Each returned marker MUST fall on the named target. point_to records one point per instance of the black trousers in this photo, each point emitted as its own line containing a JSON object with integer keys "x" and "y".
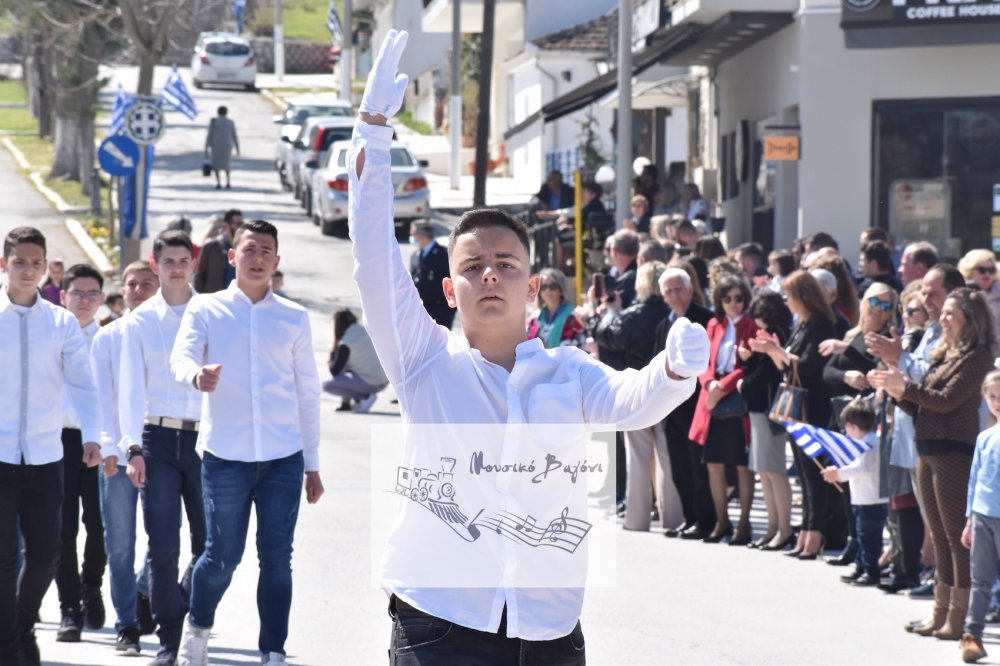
{"x": 815, "y": 492}
{"x": 30, "y": 497}
{"x": 690, "y": 476}
{"x": 911, "y": 538}
{"x": 80, "y": 487}
{"x": 621, "y": 467}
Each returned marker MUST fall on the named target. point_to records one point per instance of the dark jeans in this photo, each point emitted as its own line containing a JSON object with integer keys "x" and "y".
{"x": 911, "y": 538}
{"x": 33, "y": 494}
{"x": 869, "y": 522}
{"x": 419, "y": 639}
{"x": 80, "y": 487}
{"x": 173, "y": 474}
{"x": 231, "y": 489}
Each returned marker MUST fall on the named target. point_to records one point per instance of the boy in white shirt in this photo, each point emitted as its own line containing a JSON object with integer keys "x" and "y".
{"x": 869, "y": 507}
{"x": 490, "y": 375}
{"x": 44, "y": 355}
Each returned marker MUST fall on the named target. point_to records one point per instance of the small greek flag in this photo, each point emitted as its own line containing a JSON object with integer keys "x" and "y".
{"x": 119, "y": 110}
{"x": 176, "y": 94}
{"x": 334, "y": 26}
{"x": 813, "y": 441}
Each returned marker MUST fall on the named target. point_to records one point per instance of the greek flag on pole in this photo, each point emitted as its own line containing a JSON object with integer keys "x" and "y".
{"x": 813, "y": 441}
{"x": 176, "y": 94}
{"x": 119, "y": 110}
{"x": 333, "y": 25}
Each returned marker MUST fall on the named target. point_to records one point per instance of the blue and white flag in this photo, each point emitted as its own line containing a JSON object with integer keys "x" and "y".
{"x": 334, "y": 26}
{"x": 813, "y": 441}
{"x": 119, "y": 110}
{"x": 176, "y": 94}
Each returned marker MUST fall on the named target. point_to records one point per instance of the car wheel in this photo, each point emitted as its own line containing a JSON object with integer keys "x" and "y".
{"x": 307, "y": 202}
{"x": 316, "y": 220}
{"x": 198, "y": 84}
{"x": 296, "y": 191}
{"x": 328, "y": 228}
{"x": 251, "y": 87}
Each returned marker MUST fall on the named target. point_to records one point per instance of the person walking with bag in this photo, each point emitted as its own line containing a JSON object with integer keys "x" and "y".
{"x": 221, "y": 142}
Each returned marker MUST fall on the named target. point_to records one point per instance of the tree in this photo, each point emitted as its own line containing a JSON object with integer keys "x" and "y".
{"x": 147, "y": 23}
{"x": 591, "y": 156}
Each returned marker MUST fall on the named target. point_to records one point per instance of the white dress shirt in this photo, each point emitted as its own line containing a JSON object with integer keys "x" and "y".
{"x": 441, "y": 380}
{"x": 44, "y": 355}
{"x": 862, "y": 475}
{"x": 148, "y": 387}
{"x": 71, "y": 419}
{"x": 105, "y": 360}
{"x": 266, "y": 405}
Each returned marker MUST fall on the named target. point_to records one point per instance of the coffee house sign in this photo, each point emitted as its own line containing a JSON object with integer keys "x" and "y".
{"x": 893, "y": 13}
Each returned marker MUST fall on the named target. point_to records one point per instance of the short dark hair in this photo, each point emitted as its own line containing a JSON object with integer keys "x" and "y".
{"x": 821, "y": 239}
{"x": 924, "y": 253}
{"x": 875, "y": 234}
{"x": 180, "y": 223}
{"x": 625, "y": 242}
{"x": 423, "y": 228}
{"x": 484, "y": 218}
{"x": 879, "y": 252}
{"x": 709, "y": 247}
{"x": 859, "y": 412}
{"x": 951, "y": 277}
{"x": 785, "y": 261}
{"x": 19, "y": 235}
{"x": 223, "y": 110}
{"x": 593, "y": 188}
{"x": 257, "y": 227}
{"x": 113, "y": 298}
{"x": 277, "y": 274}
{"x": 651, "y": 250}
{"x": 78, "y": 271}
{"x": 171, "y": 238}
{"x": 228, "y": 216}
{"x": 751, "y": 250}
{"x": 726, "y": 284}
{"x": 685, "y": 227}
{"x": 770, "y": 307}
{"x": 137, "y": 267}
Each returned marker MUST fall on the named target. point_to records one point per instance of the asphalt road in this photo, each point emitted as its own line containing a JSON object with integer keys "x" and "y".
{"x": 674, "y": 602}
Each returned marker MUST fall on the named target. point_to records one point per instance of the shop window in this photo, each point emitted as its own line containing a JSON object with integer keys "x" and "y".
{"x": 935, "y": 164}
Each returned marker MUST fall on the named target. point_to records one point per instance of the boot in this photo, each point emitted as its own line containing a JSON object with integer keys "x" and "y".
{"x": 972, "y": 648}
{"x": 955, "y": 622}
{"x": 942, "y": 598}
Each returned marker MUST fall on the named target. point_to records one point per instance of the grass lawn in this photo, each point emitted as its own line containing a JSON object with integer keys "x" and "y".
{"x": 11, "y": 90}
{"x": 38, "y": 152}
{"x": 15, "y": 118}
{"x": 302, "y": 19}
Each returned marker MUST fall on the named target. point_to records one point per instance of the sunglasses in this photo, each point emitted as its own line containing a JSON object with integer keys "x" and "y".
{"x": 735, "y": 298}
{"x": 986, "y": 270}
{"x": 548, "y": 286}
{"x": 912, "y": 311}
{"x": 876, "y": 302}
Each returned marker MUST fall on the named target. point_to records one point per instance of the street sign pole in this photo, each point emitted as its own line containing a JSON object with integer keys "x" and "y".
{"x": 455, "y": 108}
{"x": 624, "y": 138}
{"x": 346, "y": 55}
{"x": 279, "y": 42}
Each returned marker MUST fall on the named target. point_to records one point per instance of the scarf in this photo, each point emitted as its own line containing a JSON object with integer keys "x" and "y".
{"x": 550, "y": 330}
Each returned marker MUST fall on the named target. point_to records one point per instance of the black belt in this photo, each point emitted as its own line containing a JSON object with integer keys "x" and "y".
{"x": 176, "y": 424}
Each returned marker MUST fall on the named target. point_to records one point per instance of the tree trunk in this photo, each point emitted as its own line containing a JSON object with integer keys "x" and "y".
{"x": 65, "y": 162}
{"x": 85, "y": 152}
{"x": 36, "y": 74}
{"x": 147, "y": 62}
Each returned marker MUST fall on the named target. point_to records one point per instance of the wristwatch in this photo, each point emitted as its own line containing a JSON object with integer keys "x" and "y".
{"x": 133, "y": 451}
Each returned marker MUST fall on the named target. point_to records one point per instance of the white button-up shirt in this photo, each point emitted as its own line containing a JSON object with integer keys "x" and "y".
{"x": 71, "y": 419}
{"x": 148, "y": 387}
{"x": 105, "y": 359}
{"x": 44, "y": 356}
{"x": 266, "y": 405}
{"x": 441, "y": 380}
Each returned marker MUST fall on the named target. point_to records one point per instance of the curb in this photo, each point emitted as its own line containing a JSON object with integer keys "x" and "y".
{"x": 89, "y": 247}
{"x": 16, "y": 152}
{"x": 52, "y": 195}
{"x": 273, "y": 99}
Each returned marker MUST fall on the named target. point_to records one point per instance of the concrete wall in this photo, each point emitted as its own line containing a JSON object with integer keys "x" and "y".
{"x": 807, "y": 65}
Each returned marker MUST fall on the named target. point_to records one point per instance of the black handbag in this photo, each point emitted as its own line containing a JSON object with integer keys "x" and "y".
{"x": 789, "y": 404}
{"x": 731, "y": 407}
{"x": 206, "y": 169}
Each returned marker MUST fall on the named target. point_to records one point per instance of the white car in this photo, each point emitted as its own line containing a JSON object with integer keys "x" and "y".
{"x": 223, "y": 58}
{"x": 329, "y": 187}
{"x": 299, "y": 110}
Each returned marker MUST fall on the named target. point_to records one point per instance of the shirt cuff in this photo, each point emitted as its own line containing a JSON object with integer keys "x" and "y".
{"x": 91, "y": 435}
{"x": 377, "y": 137}
{"x": 311, "y": 461}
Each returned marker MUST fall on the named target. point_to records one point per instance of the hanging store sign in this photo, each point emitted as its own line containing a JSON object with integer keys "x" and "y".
{"x": 893, "y": 13}
{"x": 782, "y": 148}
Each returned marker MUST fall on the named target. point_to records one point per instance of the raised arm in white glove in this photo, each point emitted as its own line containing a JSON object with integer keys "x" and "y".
{"x": 687, "y": 349}
{"x": 386, "y": 87}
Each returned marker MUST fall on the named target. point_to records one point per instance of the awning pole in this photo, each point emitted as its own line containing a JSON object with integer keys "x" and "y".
{"x": 624, "y": 138}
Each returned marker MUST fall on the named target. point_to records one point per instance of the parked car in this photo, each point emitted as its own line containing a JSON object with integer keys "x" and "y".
{"x": 300, "y": 109}
{"x": 309, "y": 149}
{"x": 223, "y": 58}
{"x": 410, "y": 202}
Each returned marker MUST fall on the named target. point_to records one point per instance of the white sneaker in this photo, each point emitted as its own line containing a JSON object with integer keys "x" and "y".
{"x": 272, "y": 659}
{"x": 194, "y": 646}
{"x": 364, "y": 405}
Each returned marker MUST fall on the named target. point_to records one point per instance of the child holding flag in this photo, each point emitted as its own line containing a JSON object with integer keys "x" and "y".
{"x": 869, "y": 507}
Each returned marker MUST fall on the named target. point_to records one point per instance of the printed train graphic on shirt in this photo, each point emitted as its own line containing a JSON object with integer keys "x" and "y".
{"x": 435, "y": 491}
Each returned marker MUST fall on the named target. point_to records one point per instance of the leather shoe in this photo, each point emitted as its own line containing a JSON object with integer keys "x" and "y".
{"x": 894, "y": 585}
{"x": 718, "y": 534}
{"x": 864, "y": 580}
{"x": 847, "y": 556}
{"x": 620, "y": 509}
{"x": 921, "y": 591}
{"x": 993, "y": 617}
{"x": 851, "y": 577}
{"x": 674, "y": 532}
{"x": 781, "y": 546}
{"x": 694, "y": 533}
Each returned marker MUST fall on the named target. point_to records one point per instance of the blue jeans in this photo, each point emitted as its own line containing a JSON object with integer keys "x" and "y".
{"x": 869, "y": 521}
{"x": 118, "y": 508}
{"x": 275, "y": 487}
{"x": 985, "y": 559}
{"x": 173, "y": 474}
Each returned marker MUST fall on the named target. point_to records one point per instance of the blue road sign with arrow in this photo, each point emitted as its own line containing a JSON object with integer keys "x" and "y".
{"x": 118, "y": 155}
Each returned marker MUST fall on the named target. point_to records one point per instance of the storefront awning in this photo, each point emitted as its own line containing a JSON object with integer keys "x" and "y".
{"x": 662, "y": 92}
{"x": 728, "y": 36}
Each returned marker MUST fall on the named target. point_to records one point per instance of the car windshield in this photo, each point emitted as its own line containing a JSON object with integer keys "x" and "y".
{"x": 227, "y": 49}
{"x": 299, "y": 114}
{"x": 334, "y": 134}
{"x": 400, "y": 157}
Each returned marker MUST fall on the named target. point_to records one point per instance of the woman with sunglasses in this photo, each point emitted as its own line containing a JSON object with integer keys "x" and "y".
{"x": 724, "y": 436}
{"x": 914, "y": 316}
{"x": 554, "y": 323}
{"x": 808, "y": 303}
{"x": 979, "y": 268}
{"x": 845, "y": 375}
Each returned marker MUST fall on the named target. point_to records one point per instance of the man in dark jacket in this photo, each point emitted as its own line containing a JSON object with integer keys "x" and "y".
{"x": 686, "y": 468}
{"x": 428, "y": 266}
{"x": 214, "y": 272}
{"x": 554, "y": 194}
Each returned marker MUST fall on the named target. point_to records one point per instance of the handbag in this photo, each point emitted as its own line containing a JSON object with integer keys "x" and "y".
{"x": 731, "y": 407}
{"x": 206, "y": 169}
{"x": 790, "y": 401}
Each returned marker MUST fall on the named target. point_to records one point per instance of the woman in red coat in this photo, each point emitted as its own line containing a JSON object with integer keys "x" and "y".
{"x": 725, "y": 438}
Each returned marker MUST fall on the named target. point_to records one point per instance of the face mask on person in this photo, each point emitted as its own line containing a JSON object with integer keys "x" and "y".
{"x": 413, "y": 240}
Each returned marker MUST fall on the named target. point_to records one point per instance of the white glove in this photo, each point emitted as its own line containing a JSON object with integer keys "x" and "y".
{"x": 385, "y": 88}
{"x": 687, "y": 348}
